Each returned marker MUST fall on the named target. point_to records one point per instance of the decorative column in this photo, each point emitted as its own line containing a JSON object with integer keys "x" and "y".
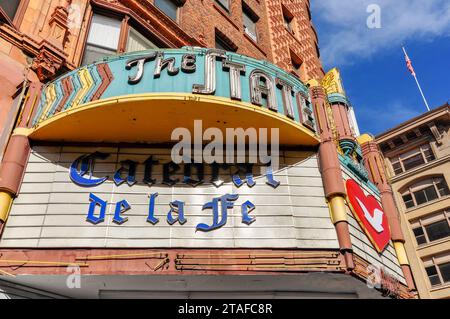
{"x": 374, "y": 165}
{"x": 11, "y": 173}
{"x": 331, "y": 174}
{"x": 16, "y": 156}
{"x": 345, "y": 131}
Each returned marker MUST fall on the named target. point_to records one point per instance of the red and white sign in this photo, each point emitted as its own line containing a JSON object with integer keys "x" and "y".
{"x": 369, "y": 214}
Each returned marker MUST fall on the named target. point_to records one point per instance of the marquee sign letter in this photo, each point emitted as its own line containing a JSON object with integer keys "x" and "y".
{"x": 160, "y": 64}
{"x": 248, "y": 170}
{"x": 188, "y": 63}
{"x": 169, "y": 169}
{"x": 235, "y": 69}
{"x": 149, "y": 162}
{"x": 139, "y": 63}
{"x": 121, "y": 207}
{"x": 96, "y": 201}
{"x": 187, "y": 179}
{"x": 210, "y": 72}
{"x": 87, "y": 166}
{"x": 261, "y": 86}
{"x": 246, "y": 209}
{"x": 269, "y": 176}
{"x": 127, "y": 166}
{"x": 178, "y": 208}
{"x": 287, "y": 94}
{"x": 304, "y": 111}
{"x": 215, "y": 173}
{"x": 226, "y": 203}
{"x": 151, "y": 210}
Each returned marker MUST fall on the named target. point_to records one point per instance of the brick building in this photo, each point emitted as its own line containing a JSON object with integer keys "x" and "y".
{"x": 94, "y": 91}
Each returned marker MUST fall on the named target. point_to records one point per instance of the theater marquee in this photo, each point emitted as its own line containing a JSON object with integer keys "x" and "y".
{"x": 124, "y": 95}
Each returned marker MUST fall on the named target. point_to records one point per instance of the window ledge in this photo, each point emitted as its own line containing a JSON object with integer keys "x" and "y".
{"x": 433, "y": 243}
{"x": 440, "y": 287}
{"x": 292, "y": 34}
{"x": 420, "y": 168}
{"x": 409, "y": 210}
{"x": 225, "y": 14}
{"x": 254, "y": 43}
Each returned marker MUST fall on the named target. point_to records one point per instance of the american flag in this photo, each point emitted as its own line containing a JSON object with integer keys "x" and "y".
{"x": 409, "y": 64}
{"x": 411, "y": 69}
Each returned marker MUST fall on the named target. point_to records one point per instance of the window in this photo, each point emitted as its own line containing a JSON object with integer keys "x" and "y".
{"x": 438, "y": 230}
{"x": 169, "y": 7}
{"x": 224, "y": 4}
{"x": 296, "y": 65}
{"x": 137, "y": 42}
{"x": 223, "y": 43}
{"x": 10, "y": 7}
{"x": 408, "y": 199}
{"x": 438, "y": 269}
{"x": 445, "y": 271}
{"x": 288, "y": 19}
{"x": 425, "y": 191}
{"x": 250, "y": 19}
{"x": 442, "y": 187}
{"x": 432, "y": 228}
{"x": 420, "y": 236}
{"x": 412, "y": 159}
{"x": 104, "y": 39}
{"x": 296, "y": 60}
{"x": 433, "y": 275}
{"x": 425, "y": 195}
{"x": 287, "y": 23}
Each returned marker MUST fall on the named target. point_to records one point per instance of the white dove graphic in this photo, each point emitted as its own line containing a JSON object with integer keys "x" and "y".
{"x": 376, "y": 220}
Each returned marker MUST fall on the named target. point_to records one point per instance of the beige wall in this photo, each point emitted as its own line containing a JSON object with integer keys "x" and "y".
{"x": 438, "y": 167}
{"x": 416, "y": 253}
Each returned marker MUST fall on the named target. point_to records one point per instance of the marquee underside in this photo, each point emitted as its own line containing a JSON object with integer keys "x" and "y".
{"x": 151, "y": 118}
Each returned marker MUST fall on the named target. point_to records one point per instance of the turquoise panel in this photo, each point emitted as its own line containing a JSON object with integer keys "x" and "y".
{"x": 181, "y": 82}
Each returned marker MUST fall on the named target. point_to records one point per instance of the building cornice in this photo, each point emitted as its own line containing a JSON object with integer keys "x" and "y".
{"x": 443, "y": 110}
{"x": 420, "y": 169}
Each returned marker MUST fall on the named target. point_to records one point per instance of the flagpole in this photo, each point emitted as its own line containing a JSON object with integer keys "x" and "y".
{"x": 421, "y": 92}
{"x": 418, "y": 84}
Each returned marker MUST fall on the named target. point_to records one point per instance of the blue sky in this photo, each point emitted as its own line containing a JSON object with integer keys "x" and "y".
{"x": 372, "y": 63}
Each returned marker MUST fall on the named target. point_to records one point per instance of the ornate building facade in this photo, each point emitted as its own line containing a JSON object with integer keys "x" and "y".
{"x": 95, "y": 92}
{"x": 417, "y": 155}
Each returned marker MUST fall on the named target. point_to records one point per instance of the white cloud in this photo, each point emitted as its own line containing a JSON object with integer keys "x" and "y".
{"x": 346, "y": 35}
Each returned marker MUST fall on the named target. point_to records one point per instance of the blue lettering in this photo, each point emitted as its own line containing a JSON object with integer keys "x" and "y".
{"x": 96, "y": 201}
{"x": 87, "y": 166}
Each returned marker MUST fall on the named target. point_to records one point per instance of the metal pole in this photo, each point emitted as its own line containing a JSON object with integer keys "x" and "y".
{"x": 417, "y": 82}
{"x": 421, "y": 92}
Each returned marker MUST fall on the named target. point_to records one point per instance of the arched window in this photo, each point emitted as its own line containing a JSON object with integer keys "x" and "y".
{"x": 425, "y": 191}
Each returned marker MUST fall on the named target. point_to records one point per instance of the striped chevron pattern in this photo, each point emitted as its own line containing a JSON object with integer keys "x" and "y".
{"x": 76, "y": 88}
